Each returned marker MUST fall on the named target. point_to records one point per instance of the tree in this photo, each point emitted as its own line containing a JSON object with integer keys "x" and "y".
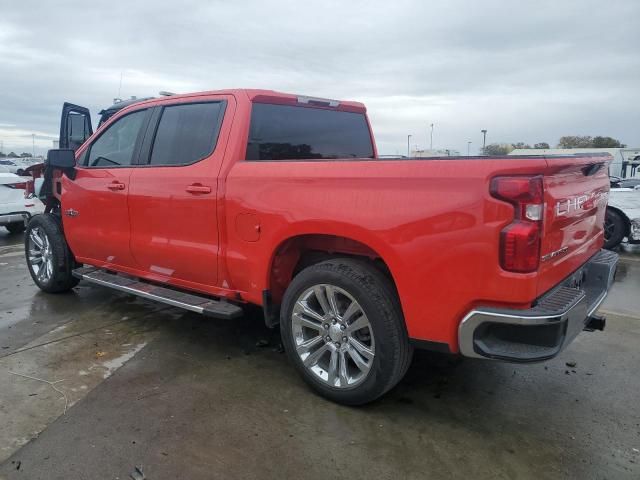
{"x": 541, "y": 145}
{"x": 2, "y": 155}
{"x": 520, "y": 145}
{"x": 607, "y": 142}
{"x": 25, "y": 155}
{"x": 497, "y": 149}
{"x": 12, "y": 155}
{"x": 586, "y": 141}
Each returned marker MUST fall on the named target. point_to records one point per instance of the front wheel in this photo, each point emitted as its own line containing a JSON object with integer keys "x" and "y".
{"x": 49, "y": 259}
{"x": 343, "y": 329}
{"x": 614, "y": 229}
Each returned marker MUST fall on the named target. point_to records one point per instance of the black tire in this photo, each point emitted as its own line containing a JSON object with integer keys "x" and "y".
{"x": 378, "y": 299}
{"x": 615, "y": 229}
{"x": 17, "y": 227}
{"x": 20, "y": 172}
{"x": 63, "y": 262}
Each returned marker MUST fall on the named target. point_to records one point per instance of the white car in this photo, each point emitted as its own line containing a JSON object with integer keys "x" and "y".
{"x": 622, "y": 220}
{"x": 18, "y": 165}
{"x": 16, "y": 203}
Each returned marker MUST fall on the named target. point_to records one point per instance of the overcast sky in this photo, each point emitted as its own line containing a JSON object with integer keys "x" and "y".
{"x": 526, "y": 71}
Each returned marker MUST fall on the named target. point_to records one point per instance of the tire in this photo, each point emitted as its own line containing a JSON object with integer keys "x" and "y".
{"x": 44, "y": 240}
{"x": 615, "y": 229}
{"x": 20, "y": 172}
{"x": 375, "y": 335}
{"x": 17, "y": 227}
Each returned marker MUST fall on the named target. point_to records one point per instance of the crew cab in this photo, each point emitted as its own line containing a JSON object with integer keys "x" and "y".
{"x": 211, "y": 201}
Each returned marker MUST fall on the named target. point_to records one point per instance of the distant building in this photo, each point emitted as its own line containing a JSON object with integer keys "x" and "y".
{"x": 434, "y": 153}
{"x": 625, "y": 164}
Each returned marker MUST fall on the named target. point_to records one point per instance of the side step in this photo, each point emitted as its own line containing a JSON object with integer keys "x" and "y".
{"x": 176, "y": 298}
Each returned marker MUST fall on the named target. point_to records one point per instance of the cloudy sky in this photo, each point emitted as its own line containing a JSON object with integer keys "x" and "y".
{"x": 526, "y": 71}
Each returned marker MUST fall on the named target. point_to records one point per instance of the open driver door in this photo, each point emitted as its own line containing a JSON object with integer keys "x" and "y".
{"x": 75, "y": 126}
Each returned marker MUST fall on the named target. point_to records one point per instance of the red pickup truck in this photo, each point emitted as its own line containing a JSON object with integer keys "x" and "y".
{"x": 209, "y": 201}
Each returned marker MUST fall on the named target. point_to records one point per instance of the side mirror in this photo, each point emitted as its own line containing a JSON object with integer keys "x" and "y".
{"x": 63, "y": 158}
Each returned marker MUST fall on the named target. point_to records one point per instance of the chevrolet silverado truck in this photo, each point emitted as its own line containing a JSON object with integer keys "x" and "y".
{"x": 211, "y": 201}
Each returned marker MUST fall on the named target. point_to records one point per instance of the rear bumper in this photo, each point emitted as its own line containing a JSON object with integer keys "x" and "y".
{"x": 541, "y": 332}
{"x": 15, "y": 217}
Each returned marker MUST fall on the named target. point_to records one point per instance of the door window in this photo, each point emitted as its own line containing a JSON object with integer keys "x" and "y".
{"x": 115, "y": 147}
{"x": 78, "y": 129}
{"x": 284, "y": 132}
{"x": 187, "y": 133}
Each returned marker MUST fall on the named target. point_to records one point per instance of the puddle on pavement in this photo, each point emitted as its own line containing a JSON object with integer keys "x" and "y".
{"x": 75, "y": 358}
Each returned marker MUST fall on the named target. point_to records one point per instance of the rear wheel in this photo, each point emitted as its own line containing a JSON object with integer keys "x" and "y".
{"x": 342, "y": 328}
{"x": 17, "y": 227}
{"x": 49, "y": 259}
{"x": 615, "y": 228}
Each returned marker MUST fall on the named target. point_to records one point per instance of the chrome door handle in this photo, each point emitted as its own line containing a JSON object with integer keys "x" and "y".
{"x": 197, "y": 188}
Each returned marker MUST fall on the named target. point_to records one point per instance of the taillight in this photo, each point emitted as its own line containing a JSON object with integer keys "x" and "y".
{"x": 520, "y": 240}
{"x": 29, "y": 190}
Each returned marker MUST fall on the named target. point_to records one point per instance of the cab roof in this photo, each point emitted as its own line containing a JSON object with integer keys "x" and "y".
{"x": 264, "y": 96}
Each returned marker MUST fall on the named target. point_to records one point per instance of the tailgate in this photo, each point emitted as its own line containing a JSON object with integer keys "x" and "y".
{"x": 576, "y": 190}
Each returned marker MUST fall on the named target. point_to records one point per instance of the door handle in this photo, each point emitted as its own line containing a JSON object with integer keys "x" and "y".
{"x": 197, "y": 188}
{"x": 116, "y": 186}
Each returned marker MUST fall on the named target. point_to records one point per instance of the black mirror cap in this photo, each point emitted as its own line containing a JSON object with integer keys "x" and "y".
{"x": 61, "y": 158}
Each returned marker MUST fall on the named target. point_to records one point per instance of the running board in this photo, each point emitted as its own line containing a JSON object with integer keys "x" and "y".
{"x": 176, "y": 298}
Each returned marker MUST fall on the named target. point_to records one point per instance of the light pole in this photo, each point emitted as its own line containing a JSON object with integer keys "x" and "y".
{"x": 408, "y": 145}
{"x": 468, "y": 148}
{"x": 431, "y": 138}
{"x": 33, "y": 145}
{"x": 484, "y": 140}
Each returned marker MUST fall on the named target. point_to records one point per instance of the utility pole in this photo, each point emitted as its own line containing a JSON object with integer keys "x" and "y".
{"x": 484, "y": 139}
{"x": 33, "y": 145}
{"x": 431, "y": 138}
{"x": 408, "y": 145}
{"x": 468, "y": 148}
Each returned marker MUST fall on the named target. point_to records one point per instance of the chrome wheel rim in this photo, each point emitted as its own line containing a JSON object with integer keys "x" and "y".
{"x": 40, "y": 255}
{"x": 333, "y": 336}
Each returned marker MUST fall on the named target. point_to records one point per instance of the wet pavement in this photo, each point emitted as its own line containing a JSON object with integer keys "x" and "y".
{"x": 181, "y": 396}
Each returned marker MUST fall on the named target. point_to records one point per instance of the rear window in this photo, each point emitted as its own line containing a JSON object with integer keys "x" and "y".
{"x": 186, "y": 133}
{"x": 284, "y": 132}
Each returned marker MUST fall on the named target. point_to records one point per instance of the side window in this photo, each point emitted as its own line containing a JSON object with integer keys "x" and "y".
{"x": 78, "y": 129}
{"x": 187, "y": 133}
{"x": 115, "y": 146}
{"x": 284, "y": 132}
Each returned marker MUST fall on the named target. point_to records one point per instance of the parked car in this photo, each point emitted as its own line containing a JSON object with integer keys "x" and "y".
{"x": 9, "y": 165}
{"x": 213, "y": 200}
{"x": 18, "y": 202}
{"x": 622, "y": 221}
{"x": 617, "y": 182}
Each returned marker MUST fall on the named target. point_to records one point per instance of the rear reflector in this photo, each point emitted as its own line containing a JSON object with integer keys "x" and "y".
{"x": 520, "y": 240}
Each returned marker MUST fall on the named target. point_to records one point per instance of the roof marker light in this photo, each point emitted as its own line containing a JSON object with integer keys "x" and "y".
{"x": 319, "y": 101}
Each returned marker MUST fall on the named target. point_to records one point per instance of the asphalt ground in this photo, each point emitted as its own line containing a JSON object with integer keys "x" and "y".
{"x": 94, "y": 384}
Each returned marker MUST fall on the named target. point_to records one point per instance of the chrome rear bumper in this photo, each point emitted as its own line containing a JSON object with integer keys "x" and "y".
{"x": 541, "y": 332}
